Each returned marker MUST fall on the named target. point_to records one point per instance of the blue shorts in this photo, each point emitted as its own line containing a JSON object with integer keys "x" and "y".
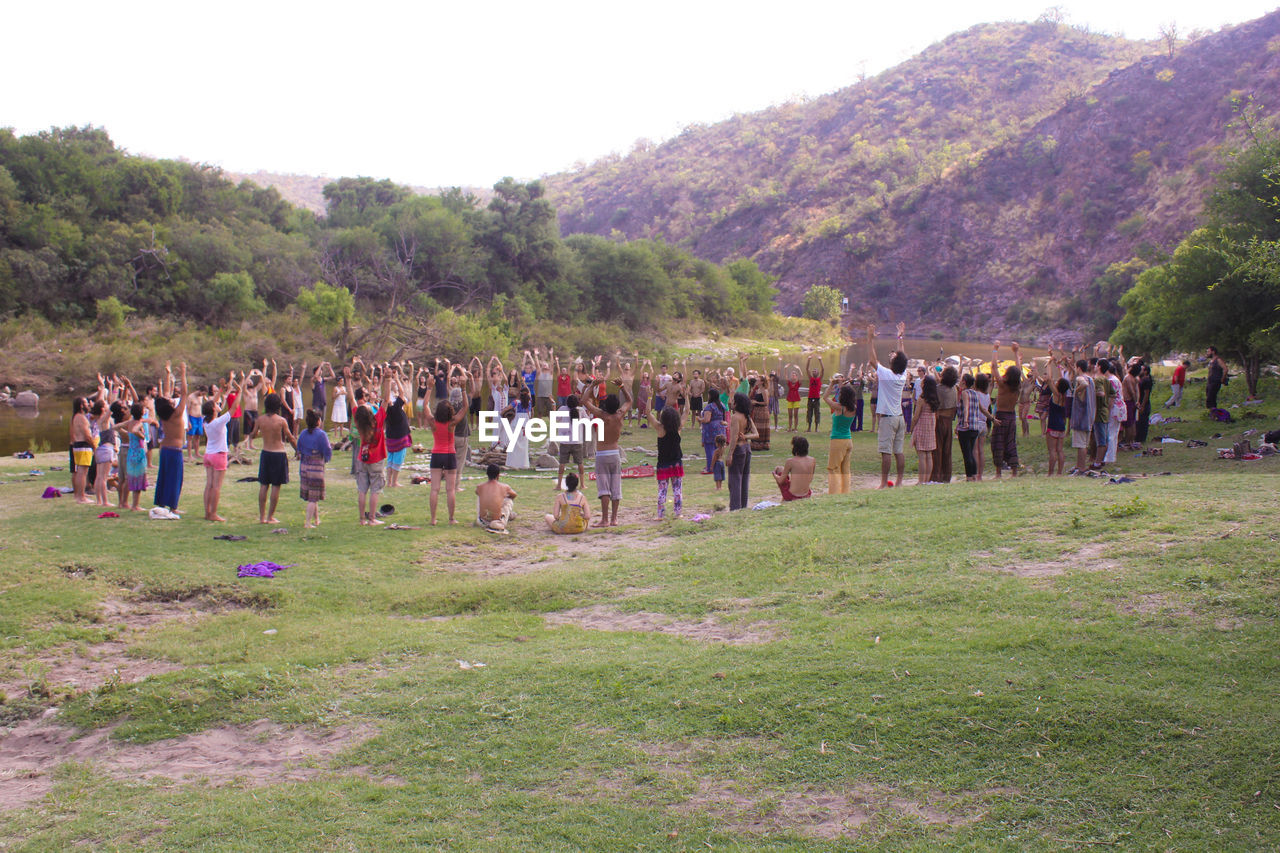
{"x": 195, "y": 426}
{"x": 718, "y": 472}
{"x": 1101, "y": 434}
{"x": 395, "y": 460}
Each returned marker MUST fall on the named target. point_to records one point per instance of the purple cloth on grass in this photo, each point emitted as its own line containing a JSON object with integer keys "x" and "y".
{"x": 265, "y": 569}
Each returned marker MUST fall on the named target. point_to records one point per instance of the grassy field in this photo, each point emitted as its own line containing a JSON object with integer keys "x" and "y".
{"x": 1038, "y": 664}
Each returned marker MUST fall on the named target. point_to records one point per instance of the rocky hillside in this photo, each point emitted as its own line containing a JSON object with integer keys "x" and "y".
{"x": 982, "y": 186}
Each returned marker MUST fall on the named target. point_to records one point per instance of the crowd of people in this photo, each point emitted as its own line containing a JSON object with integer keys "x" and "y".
{"x": 120, "y": 436}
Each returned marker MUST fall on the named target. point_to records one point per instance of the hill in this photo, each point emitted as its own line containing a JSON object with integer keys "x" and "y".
{"x": 981, "y": 186}
{"x": 307, "y": 191}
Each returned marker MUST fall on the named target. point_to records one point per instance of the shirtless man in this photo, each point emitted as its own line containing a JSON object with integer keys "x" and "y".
{"x": 249, "y": 402}
{"x": 169, "y": 475}
{"x": 697, "y": 387}
{"x": 195, "y": 421}
{"x": 81, "y": 449}
{"x": 273, "y": 464}
{"x": 495, "y": 503}
{"x": 795, "y": 476}
{"x": 608, "y": 458}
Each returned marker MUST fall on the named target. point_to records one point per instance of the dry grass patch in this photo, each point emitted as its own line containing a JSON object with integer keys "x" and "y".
{"x": 602, "y": 617}
{"x": 1088, "y": 558}
{"x": 827, "y": 813}
{"x": 1153, "y": 604}
{"x": 257, "y": 754}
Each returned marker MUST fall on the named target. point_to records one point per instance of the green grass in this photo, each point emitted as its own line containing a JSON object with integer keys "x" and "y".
{"x": 1127, "y": 699}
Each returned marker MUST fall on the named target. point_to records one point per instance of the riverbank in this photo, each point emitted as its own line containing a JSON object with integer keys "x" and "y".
{"x": 60, "y": 360}
{"x": 876, "y": 669}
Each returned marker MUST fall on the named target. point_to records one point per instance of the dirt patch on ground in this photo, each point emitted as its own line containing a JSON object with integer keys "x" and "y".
{"x": 84, "y": 670}
{"x": 1153, "y": 604}
{"x": 556, "y": 552}
{"x": 1228, "y": 623}
{"x": 825, "y": 813}
{"x": 261, "y": 753}
{"x": 58, "y": 671}
{"x": 602, "y": 617}
{"x": 1089, "y": 559}
{"x": 698, "y": 770}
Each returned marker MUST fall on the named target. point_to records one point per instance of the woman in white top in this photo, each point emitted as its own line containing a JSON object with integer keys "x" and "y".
{"x": 340, "y": 415}
{"x": 520, "y": 410}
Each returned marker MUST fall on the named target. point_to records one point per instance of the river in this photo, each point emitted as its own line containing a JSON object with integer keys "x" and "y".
{"x": 48, "y": 426}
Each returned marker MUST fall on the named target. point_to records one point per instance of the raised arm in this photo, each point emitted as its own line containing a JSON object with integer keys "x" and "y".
{"x": 871, "y": 347}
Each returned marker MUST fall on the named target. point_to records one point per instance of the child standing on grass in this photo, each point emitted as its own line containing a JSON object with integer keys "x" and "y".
{"x": 135, "y": 463}
{"x": 670, "y": 460}
{"x": 717, "y": 461}
{"x": 315, "y": 451}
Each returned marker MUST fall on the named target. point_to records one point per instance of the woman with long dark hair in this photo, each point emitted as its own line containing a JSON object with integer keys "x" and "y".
{"x": 713, "y": 426}
{"x": 924, "y": 437}
{"x": 670, "y": 471}
{"x": 741, "y": 431}
{"x": 841, "y": 401}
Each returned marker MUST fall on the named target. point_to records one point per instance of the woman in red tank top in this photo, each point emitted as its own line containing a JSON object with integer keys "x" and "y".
{"x": 793, "y": 398}
{"x": 444, "y": 456}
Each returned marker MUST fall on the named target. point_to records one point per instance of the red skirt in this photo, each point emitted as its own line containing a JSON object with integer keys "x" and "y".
{"x": 670, "y": 472}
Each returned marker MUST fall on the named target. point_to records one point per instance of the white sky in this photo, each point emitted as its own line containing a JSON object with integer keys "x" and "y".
{"x": 435, "y": 93}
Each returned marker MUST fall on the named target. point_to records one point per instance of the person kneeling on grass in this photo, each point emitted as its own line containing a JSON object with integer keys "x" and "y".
{"x": 796, "y": 474}
{"x": 572, "y": 512}
{"x": 495, "y": 502}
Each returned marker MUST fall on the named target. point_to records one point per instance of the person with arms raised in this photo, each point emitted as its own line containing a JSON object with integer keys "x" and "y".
{"x": 891, "y": 430}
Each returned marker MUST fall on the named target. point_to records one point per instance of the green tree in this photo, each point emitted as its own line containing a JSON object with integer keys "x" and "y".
{"x": 327, "y": 307}
{"x": 821, "y": 303}
{"x": 757, "y": 287}
{"x": 232, "y": 296}
{"x": 111, "y": 314}
{"x": 1222, "y": 286}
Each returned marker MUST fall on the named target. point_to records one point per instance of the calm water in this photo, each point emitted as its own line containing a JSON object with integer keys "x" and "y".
{"x": 50, "y": 424}
{"x": 19, "y": 427}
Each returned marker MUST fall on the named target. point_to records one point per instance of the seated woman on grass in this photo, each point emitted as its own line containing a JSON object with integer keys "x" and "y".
{"x": 571, "y": 512}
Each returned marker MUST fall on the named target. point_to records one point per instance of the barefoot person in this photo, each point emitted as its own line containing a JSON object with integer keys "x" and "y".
{"x": 370, "y": 460}
{"x": 571, "y": 512}
{"x": 443, "y": 423}
{"x": 841, "y": 402}
{"x": 608, "y": 458}
{"x": 924, "y": 438}
{"x": 740, "y": 432}
{"x": 1004, "y": 433}
{"x": 169, "y": 474}
{"x": 273, "y": 464}
{"x": 795, "y": 476}
{"x": 892, "y": 428}
{"x": 195, "y": 421}
{"x": 670, "y": 468}
{"x": 314, "y": 451}
{"x": 81, "y": 449}
{"x": 495, "y": 502}
{"x": 215, "y": 454}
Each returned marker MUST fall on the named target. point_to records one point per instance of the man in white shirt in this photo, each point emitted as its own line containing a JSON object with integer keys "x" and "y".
{"x": 893, "y": 428}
